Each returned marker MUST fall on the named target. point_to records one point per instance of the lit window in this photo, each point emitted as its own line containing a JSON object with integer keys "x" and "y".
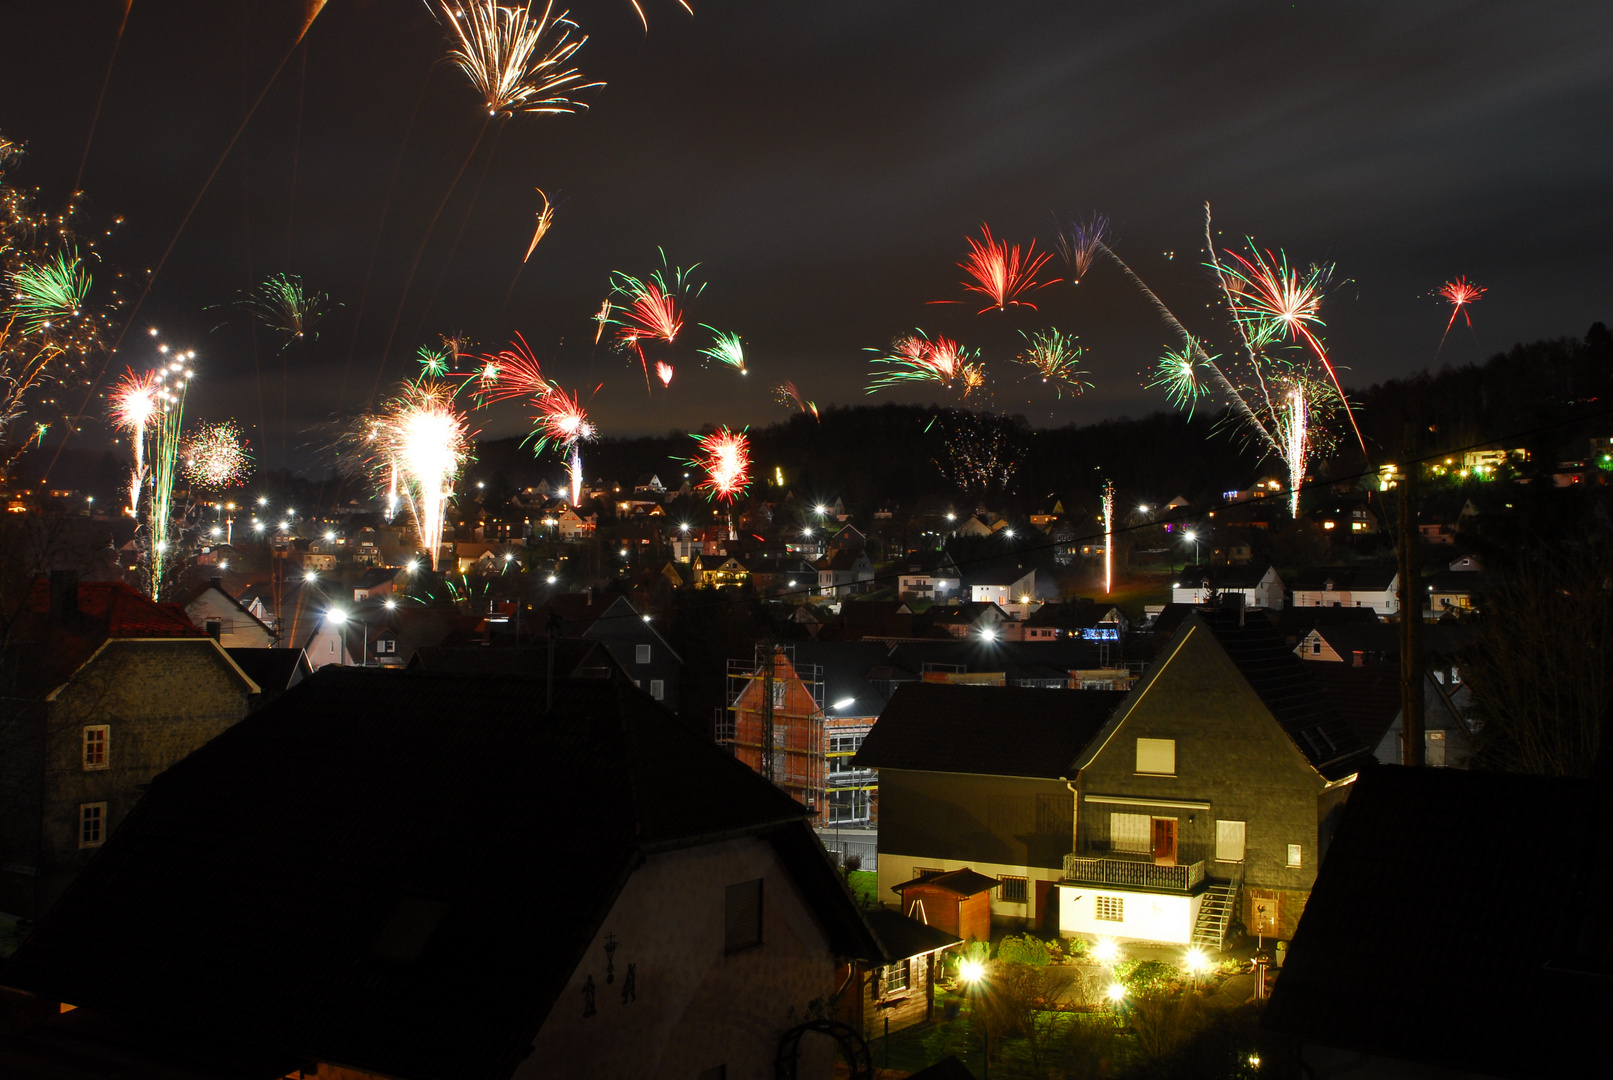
{"x": 1229, "y": 841}
{"x": 97, "y": 741}
{"x": 1156, "y": 756}
{"x": 658, "y": 689}
{"x": 1109, "y": 908}
{"x": 91, "y": 824}
{"x": 742, "y": 915}
{"x": 1294, "y": 854}
{"x": 641, "y": 654}
{"x": 1011, "y": 890}
{"x": 894, "y": 977}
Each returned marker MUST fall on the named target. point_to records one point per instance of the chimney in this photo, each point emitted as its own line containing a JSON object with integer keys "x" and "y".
{"x": 63, "y": 596}
{"x": 1359, "y": 659}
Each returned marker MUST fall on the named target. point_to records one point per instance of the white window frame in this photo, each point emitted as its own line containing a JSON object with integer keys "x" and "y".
{"x": 88, "y": 812}
{"x": 1156, "y": 757}
{"x": 658, "y": 689}
{"x": 105, "y": 731}
{"x": 641, "y": 654}
{"x": 895, "y": 977}
{"x": 1296, "y": 855}
{"x": 1231, "y": 840}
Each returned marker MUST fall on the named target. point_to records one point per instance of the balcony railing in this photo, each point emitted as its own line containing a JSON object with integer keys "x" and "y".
{"x": 1141, "y": 872}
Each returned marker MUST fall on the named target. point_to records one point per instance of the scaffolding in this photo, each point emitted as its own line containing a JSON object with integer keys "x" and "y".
{"x": 775, "y": 721}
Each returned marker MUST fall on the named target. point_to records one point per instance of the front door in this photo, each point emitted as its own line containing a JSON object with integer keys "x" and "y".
{"x": 1164, "y": 841}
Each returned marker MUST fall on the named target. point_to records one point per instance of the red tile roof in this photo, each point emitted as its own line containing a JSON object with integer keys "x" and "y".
{"x": 47, "y": 651}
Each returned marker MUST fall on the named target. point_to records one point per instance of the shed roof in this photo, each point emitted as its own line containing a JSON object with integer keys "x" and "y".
{"x": 904, "y": 937}
{"x": 962, "y": 882}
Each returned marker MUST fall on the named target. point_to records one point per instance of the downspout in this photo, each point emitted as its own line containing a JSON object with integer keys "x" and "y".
{"x": 1075, "y": 815}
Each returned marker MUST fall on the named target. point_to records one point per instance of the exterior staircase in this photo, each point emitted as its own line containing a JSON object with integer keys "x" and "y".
{"x": 1215, "y": 915}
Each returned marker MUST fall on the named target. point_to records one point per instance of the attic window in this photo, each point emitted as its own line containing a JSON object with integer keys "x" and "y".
{"x": 408, "y": 929}
{"x": 1156, "y": 757}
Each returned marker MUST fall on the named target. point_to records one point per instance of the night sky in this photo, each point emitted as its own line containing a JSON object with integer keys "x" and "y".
{"x": 823, "y": 162}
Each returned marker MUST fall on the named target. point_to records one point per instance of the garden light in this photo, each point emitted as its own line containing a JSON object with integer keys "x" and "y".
{"x": 1106, "y": 952}
{"x": 971, "y": 971}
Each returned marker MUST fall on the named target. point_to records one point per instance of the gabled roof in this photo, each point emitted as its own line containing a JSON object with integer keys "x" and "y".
{"x": 1221, "y": 577}
{"x": 1344, "y": 578}
{"x": 1000, "y": 577}
{"x": 47, "y": 648}
{"x": 428, "y": 936}
{"x": 986, "y": 730}
{"x": 904, "y": 937}
{"x": 274, "y": 670}
{"x": 1367, "y": 697}
{"x": 573, "y": 658}
{"x": 1283, "y": 683}
{"x": 1434, "y": 835}
{"x": 217, "y": 586}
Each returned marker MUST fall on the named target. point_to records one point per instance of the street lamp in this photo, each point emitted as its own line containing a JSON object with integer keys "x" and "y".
{"x": 1193, "y": 538}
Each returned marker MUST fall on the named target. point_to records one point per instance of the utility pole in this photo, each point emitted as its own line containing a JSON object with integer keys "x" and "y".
{"x": 1411, "y": 605}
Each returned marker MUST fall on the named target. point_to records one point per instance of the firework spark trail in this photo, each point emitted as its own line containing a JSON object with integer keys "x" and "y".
{"x": 562, "y": 420}
{"x": 427, "y": 440}
{"x": 1001, "y": 272}
{"x": 663, "y": 371}
{"x": 789, "y": 397}
{"x": 1108, "y": 536}
{"x": 726, "y": 349}
{"x": 602, "y": 318}
{"x": 1294, "y": 422}
{"x": 915, "y": 358}
{"x": 517, "y": 374}
{"x": 684, "y": 4}
{"x": 574, "y": 475}
{"x": 47, "y": 292}
{"x": 1080, "y": 242}
{"x": 725, "y": 457}
{"x": 164, "y": 429}
{"x": 648, "y": 308}
{"x": 506, "y": 55}
{"x": 134, "y": 402}
{"x": 1459, "y": 293}
{"x": 311, "y": 10}
{"x": 1056, "y": 356}
{"x": 216, "y": 456}
{"x": 545, "y": 219}
{"x": 100, "y": 98}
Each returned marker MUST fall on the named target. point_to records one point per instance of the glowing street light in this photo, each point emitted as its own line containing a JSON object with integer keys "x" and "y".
{"x": 1193, "y": 538}
{"x": 336, "y": 615}
{"x": 988, "y": 633}
{"x": 1106, "y": 951}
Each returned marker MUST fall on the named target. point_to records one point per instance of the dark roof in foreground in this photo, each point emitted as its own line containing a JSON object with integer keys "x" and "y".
{"x": 274, "y": 670}
{"x": 992, "y": 730}
{"x": 398, "y": 872}
{"x": 1412, "y": 947}
{"x": 903, "y": 937}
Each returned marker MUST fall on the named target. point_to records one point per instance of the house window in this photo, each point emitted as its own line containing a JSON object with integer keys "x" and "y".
{"x": 658, "y": 689}
{"x": 1109, "y": 908}
{"x": 1131, "y": 832}
{"x": 1316, "y": 647}
{"x": 1229, "y": 841}
{"x": 1433, "y": 749}
{"x": 641, "y": 654}
{"x": 1156, "y": 756}
{"x": 1294, "y": 855}
{"x": 386, "y": 645}
{"x": 742, "y": 916}
{"x": 780, "y": 687}
{"x": 841, "y": 749}
{"x": 97, "y": 741}
{"x": 851, "y": 805}
{"x": 91, "y": 824}
{"x": 1011, "y": 890}
{"x": 894, "y": 977}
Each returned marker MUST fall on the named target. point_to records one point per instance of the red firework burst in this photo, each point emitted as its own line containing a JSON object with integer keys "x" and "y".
{"x": 1459, "y": 294}
{"x": 725, "y": 458}
{"x": 1001, "y": 271}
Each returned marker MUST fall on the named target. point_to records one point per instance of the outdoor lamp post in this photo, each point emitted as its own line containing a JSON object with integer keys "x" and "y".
{"x": 1193, "y": 538}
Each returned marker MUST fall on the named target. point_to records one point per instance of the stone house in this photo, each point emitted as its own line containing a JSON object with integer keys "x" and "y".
{"x": 105, "y": 690}
{"x": 602, "y": 893}
{"x": 1209, "y": 797}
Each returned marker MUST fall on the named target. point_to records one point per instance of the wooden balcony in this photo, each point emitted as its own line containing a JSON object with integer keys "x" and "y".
{"x": 1137, "y": 872}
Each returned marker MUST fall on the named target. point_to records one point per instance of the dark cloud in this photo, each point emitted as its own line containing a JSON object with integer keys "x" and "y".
{"x": 823, "y": 162}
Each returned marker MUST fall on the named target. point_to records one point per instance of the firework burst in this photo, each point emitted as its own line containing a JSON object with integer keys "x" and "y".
{"x": 1079, "y": 243}
{"x": 517, "y": 63}
{"x": 1177, "y": 373}
{"x": 648, "y": 308}
{"x": 559, "y": 419}
{"x": 663, "y": 371}
{"x": 1459, "y": 294}
{"x": 725, "y": 349}
{"x": 48, "y": 292}
{"x": 1056, "y": 356}
{"x": 725, "y": 458}
{"x": 423, "y": 441}
{"x": 134, "y": 403}
{"x": 982, "y": 451}
{"x": 283, "y": 305}
{"x": 915, "y": 358}
{"x": 151, "y": 408}
{"x": 1293, "y": 422}
{"x": 216, "y": 456}
{"x": 1108, "y": 536}
{"x": 788, "y": 396}
{"x": 1000, "y": 272}
{"x": 574, "y": 475}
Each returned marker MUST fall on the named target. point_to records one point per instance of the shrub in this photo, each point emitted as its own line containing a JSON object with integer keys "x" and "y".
{"x": 1144, "y": 977}
{"x": 1024, "y": 949}
{"x": 1077, "y": 947}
